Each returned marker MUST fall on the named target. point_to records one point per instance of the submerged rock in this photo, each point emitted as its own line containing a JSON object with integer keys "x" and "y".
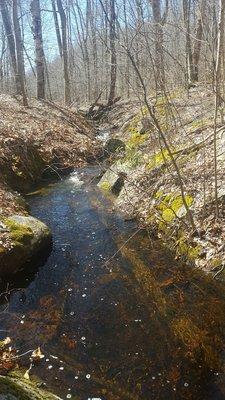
{"x": 28, "y": 236}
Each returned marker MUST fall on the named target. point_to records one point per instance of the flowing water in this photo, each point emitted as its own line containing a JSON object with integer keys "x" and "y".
{"x": 115, "y": 315}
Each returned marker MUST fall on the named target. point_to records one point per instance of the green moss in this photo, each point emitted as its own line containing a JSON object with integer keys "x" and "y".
{"x": 19, "y": 234}
{"x": 14, "y": 384}
{"x": 105, "y": 186}
{"x": 171, "y": 204}
{"x": 136, "y": 139}
{"x": 186, "y": 249}
{"x": 158, "y": 159}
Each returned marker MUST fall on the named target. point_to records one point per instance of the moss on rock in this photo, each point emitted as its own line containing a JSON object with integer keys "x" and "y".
{"x": 20, "y": 234}
{"x": 16, "y": 387}
{"x": 28, "y": 236}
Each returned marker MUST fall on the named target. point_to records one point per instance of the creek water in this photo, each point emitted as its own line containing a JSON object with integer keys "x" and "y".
{"x": 115, "y": 315}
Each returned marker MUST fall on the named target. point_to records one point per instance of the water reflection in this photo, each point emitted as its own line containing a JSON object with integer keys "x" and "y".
{"x": 139, "y": 326}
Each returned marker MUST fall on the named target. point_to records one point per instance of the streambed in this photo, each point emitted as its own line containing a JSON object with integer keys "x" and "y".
{"x": 115, "y": 315}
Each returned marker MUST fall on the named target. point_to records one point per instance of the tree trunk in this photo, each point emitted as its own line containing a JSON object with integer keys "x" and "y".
{"x": 19, "y": 52}
{"x": 198, "y": 41}
{"x": 39, "y": 51}
{"x": 158, "y": 34}
{"x": 189, "y": 55}
{"x": 11, "y": 42}
{"x": 57, "y": 30}
{"x": 113, "y": 59}
{"x": 219, "y": 86}
{"x": 62, "y": 14}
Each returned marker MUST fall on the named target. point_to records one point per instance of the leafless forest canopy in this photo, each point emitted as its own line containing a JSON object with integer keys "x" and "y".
{"x": 81, "y": 51}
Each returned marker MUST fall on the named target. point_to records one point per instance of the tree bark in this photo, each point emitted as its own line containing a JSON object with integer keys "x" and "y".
{"x": 219, "y": 87}
{"x": 113, "y": 58}
{"x": 158, "y": 34}
{"x": 57, "y": 30}
{"x": 62, "y": 14}
{"x": 19, "y": 52}
{"x": 39, "y": 51}
{"x": 11, "y": 42}
{"x": 189, "y": 55}
{"x": 198, "y": 41}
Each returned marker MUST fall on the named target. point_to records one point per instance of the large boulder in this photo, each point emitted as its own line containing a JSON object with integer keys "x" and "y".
{"x": 28, "y": 236}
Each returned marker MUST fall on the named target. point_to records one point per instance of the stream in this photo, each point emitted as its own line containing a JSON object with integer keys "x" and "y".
{"x": 116, "y": 316}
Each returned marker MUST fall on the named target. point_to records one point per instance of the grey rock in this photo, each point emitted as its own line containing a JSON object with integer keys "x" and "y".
{"x": 114, "y": 144}
{"x": 29, "y": 236}
{"x": 3, "y": 227}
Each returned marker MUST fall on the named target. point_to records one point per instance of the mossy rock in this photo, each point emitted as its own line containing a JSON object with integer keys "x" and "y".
{"x": 114, "y": 174}
{"x": 28, "y": 236}
{"x": 113, "y": 145}
{"x": 17, "y": 388}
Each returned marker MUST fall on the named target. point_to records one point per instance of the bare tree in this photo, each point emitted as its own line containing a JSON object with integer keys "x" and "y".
{"x": 11, "y": 42}
{"x": 19, "y": 52}
{"x": 159, "y": 21}
{"x": 113, "y": 58}
{"x": 198, "y": 41}
{"x": 219, "y": 86}
{"x": 39, "y": 51}
{"x": 63, "y": 18}
{"x": 57, "y": 29}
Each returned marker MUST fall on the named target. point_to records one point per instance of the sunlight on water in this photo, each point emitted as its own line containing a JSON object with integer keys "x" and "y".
{"x": 103, "y": 136}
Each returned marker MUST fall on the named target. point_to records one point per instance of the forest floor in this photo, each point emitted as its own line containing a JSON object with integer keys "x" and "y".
{"x": 151, "y": 191}
{"x": 40, "y": 141}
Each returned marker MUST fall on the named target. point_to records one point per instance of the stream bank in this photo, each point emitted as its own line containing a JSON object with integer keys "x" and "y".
{"x": 147, "y": 184}
{"x": 37, "y": 143}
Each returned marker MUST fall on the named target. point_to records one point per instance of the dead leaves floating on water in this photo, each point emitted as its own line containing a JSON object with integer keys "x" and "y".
{"x": 37, "y": 355}
{"x": 7, "y": 356}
